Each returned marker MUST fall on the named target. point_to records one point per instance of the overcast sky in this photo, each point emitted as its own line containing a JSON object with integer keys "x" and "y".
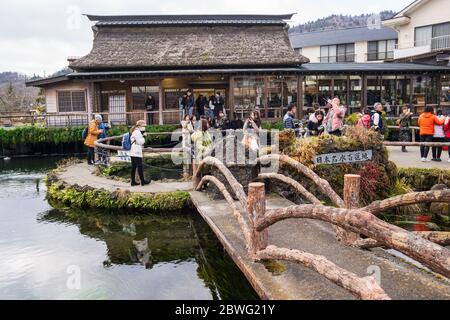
{"x": 37, "y": 36}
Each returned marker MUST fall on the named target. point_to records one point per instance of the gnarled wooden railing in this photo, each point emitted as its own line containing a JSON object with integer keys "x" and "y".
{"x": 323, "y": 184}
{"x": 238, "y": 189}
{"x": 348, "y": 218}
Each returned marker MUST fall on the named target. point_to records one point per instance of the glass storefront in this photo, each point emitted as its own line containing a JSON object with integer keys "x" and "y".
{"x": 324, "y": 90}
{"x": 340, "y": 88}
{"x": 309, "y": 91}
{"x": 373, "y": 90}
{"x": 248, "y": 95}
{"x": 403, "y": 90}
{"x": 355, "y": 98}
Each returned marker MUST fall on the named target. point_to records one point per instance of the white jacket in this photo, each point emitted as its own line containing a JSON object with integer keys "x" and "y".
{"x": 137, "y": 142}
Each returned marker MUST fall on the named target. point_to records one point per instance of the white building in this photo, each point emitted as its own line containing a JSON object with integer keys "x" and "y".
{"x": 423, "y": 31}
{"x": 347, "y": 45}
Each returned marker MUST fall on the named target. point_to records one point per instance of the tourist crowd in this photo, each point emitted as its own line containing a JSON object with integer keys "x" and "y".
{"x": 200, "y": 115}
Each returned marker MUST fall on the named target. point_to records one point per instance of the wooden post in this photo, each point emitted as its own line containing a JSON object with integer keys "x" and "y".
{"x": 231, "y": 97}
{"x": 352, "y": 187}
{"x": 265, "y": 103}
{"x": 300, "y": 102}
{"x": 161, "y": 103}
{"x": 256, "y": 208}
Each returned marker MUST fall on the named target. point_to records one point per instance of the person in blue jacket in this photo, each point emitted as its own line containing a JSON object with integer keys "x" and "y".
{"x": 104, "y": 127}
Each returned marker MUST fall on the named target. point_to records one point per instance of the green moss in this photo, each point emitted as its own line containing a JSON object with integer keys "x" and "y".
{"x": 84, "y": 197}
{"x": 424, "y": 179}
{"x": 377, "y": 176}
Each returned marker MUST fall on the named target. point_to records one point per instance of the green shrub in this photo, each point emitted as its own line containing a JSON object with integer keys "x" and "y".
{"x": 36, "y": 134}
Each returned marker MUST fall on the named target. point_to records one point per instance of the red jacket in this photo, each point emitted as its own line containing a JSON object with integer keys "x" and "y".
{"x": 447, "y": 129}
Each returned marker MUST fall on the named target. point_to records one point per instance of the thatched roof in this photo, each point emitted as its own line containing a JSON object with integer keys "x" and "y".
{"x": 119, "y": 47}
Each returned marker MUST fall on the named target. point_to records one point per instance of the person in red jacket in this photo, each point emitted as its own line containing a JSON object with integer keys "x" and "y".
{"x": 447, "y": 132}
{"x": 427, "y": 120}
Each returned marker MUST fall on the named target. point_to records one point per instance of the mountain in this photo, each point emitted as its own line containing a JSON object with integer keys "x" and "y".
{"x": 338, "y": 21}
{"x": 14, "y": 95}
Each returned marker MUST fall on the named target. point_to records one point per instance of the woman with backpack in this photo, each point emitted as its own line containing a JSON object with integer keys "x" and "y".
{"x": 93, "y": 132}
{"x": 137, "y": 141}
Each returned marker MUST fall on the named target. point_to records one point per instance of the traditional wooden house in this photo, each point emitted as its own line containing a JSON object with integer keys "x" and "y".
{"x": 242, "y": 56}
{"x": 249, "y": 59}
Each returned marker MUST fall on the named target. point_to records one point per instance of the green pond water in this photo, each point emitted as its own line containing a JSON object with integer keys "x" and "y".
{"x": 48, "y": 253}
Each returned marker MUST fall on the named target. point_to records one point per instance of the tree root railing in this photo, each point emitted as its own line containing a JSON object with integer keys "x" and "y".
{"x": 364, "y": 288}
{"x": 323, "y": 184}
{"x": 238, "y": 189}
{"x": 432, "y": 255}
{"x": 440, "y": 238}
{"x": 294, "y": 184}
{"x": 237, "y": 212}
{"x": 408, "y": 199}
{"x": 349, "y": 218}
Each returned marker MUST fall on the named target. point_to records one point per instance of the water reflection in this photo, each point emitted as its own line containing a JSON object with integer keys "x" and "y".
{"x": 119, "y": 256}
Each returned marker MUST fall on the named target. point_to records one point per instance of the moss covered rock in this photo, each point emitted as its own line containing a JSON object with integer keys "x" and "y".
{"x": 378, "y": 176}
{"x": 61, "y": 194}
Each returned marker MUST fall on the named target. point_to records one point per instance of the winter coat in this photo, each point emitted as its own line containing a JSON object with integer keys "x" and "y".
{"x": 427, "y": 120}
{"x": 447, "y": 129}
{"x": 93, "y": 133}
{"x": 288, "y": 121}
{"x": 439, "y": 129}
{"x": 335, "y": 119}
{"x": 137, "y": 143}
{"x": 364, "y": 122}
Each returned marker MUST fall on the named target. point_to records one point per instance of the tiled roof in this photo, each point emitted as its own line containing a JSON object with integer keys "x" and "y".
{"x": 321, "y": 38}
{"x": 152, "y": 20}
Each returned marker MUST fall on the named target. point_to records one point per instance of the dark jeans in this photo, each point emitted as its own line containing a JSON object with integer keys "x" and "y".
{"x": 150, "y": 117}
{"x": 404, "y": 136}
{"x": 437, "y": 151}
{"x": 425, "y": 150}
{"x": 137, "y": 164}
{"x": 91, "y": 156}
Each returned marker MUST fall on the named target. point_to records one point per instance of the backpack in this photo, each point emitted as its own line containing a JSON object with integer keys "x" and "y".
{"x": 126, "y": 142}
{"x": 84, "y": 134}
{"x": 365, "y": 121}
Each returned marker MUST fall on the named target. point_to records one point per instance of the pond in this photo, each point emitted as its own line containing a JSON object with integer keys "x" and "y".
{"x": 50, "y": 253}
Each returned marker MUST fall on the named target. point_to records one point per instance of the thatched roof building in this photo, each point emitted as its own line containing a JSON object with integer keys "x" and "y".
{"x": 143, "y": 42}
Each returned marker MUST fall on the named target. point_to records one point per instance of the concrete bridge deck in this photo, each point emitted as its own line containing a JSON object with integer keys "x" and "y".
{"x": 399, "y": 279}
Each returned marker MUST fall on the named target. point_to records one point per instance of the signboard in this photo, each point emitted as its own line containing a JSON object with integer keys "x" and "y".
{"x": 123, "y": 156}
{"x": 344, "y": 157}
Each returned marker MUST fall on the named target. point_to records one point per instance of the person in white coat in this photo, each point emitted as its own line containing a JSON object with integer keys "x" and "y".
{"x": 137, "y": 156}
